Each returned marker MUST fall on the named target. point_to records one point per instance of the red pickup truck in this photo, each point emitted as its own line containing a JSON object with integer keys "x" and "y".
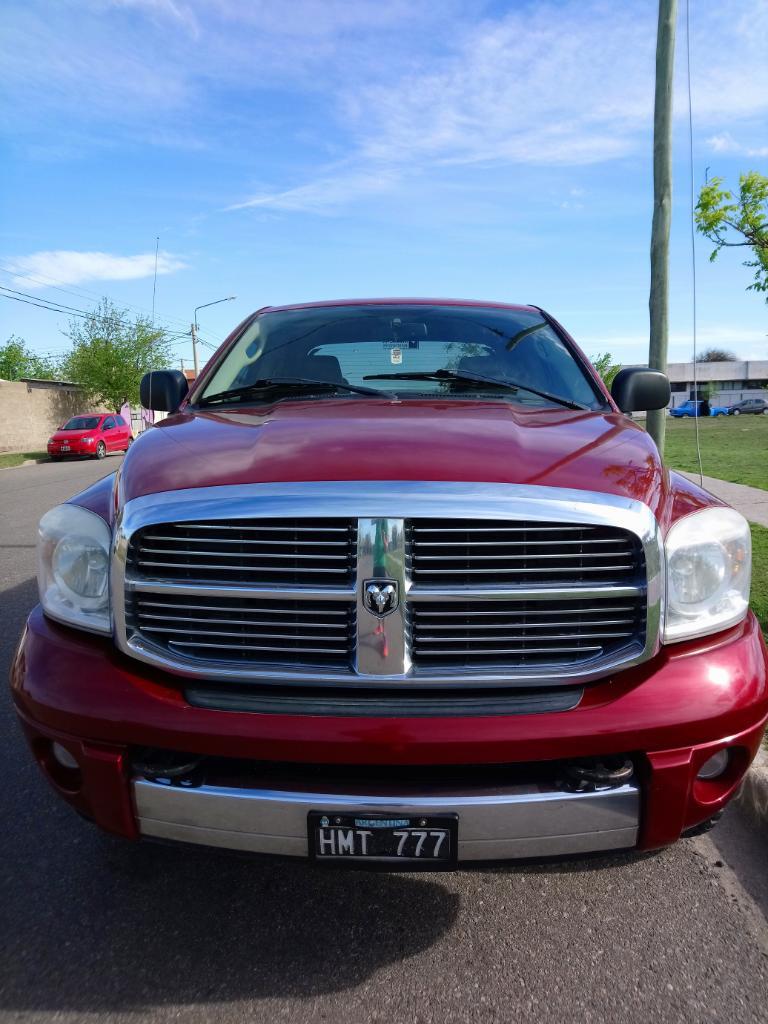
{"x": 398, "y": 582}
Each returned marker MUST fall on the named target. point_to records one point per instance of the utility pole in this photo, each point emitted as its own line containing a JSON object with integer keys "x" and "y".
{"x": 658, "y": 302}
{"x": 193, "y": 332}
{"x": 194, "y": 348}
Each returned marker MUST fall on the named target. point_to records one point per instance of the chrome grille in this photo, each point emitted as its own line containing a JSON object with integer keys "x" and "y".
{"x": 295, "y": 552}
{"x": 246, "y": 629}
{"x": 542, "y": 632}
{"x": 515, "y": 586}
{"x": 449, "y": 552}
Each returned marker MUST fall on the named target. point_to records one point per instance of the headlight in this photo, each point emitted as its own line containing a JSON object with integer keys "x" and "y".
{"x": 73, "y": 567}
{"x": 89, "y": 440}
{"x": 709, "y": 562}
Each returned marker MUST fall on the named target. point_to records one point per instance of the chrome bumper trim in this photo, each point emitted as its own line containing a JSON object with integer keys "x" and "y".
{"x": 498, "y": 824}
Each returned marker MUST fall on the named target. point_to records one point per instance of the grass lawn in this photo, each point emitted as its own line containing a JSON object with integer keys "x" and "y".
{"x": 733, "y": 448}
{"x": 760, "y": 575}
{"x": 16, "y": 458}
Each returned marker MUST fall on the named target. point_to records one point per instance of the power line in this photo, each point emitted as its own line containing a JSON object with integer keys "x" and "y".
{"x": 50, "y": 282}
{"x": 60, "y": 307}
{"x": 64, "y": 310}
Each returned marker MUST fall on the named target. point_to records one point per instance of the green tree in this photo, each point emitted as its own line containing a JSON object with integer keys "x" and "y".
{"x": 605, "y": 366}
{"x": 738, "y": 221}
{"x": 17, "y": 361}
{"x": 111, "y": 353}
{"x": 716, "y": 355}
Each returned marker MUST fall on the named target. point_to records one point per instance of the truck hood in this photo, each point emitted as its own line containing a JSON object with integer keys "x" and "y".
{"x": 373, "y": 439}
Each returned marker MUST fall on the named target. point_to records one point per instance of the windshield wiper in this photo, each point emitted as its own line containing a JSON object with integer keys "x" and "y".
{"x": 290, "y": 384}
{"x": 477, "y": 379}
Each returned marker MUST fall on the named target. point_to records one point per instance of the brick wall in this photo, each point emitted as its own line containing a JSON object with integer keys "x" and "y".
{"x": 30, "y": 412}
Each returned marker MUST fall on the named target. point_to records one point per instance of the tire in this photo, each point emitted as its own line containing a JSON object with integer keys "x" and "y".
{"x": 765, "y": 412}
{"x": 736, "y": 412}
{"x": 101, "y": 450}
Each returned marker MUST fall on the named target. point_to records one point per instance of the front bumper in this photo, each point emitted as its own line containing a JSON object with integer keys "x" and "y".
{"x": 671, "y": 714}
{"x": 74, "y": 448}
{"x": 496, "y": 824}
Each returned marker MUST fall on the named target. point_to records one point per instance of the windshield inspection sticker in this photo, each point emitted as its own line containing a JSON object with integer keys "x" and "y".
{"x": 396, "y": 355}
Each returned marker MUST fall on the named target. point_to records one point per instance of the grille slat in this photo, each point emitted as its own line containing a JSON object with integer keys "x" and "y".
{"x": 220, "y": 570}
{"x": 496, "y": 651}
{"x": 273, "y": 648}
{"x": 525, "y": 626}
{"x": 548, "y": 632}
{"x": 243, "y": 608}
{"x": 524, "y": 557}
{"x": 251, "y": 628}
{"x": 262, "y": 541}
{"x": 294, "y": 552}
{"x": 546, "y": 611}
{"x": 447, "y": 553}
{"x": 507, "y": 543}
{"x": 541, "y": 570}
{"x": 293, "y": 556}
{"x": 533, "y": 527}
{"x": 503, "y": 638}
{"x": 209, "y": 633}
{"x": 260, "y": 527}
{"x": 224, "y": 622}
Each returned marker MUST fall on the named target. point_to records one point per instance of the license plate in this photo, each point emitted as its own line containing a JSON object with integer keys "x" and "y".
{"x": 427, "y": 841}
{"x": 65, "y": 447}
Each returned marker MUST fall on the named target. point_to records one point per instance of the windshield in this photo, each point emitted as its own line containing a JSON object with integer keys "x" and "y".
{"x": 355, "y": 344}
{"x": 82, "y": 423}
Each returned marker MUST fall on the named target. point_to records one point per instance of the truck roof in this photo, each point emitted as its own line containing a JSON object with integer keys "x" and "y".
{"x": 400, "y": 302}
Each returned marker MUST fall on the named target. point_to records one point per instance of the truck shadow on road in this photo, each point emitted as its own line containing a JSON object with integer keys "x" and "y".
{"x": 112, "y": 926}
{"x": 89, "y": 922}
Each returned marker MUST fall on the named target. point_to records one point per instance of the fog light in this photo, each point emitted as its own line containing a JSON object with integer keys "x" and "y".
{"x": 63, "y": 756}
{"x": 714, "y": 766}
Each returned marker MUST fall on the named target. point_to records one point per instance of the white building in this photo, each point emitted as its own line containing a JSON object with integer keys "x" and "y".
{"x": 723, "y": 383}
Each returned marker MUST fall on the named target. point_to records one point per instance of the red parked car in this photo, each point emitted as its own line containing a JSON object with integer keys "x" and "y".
{"x": 418, "y": 593}
{"x": 94, "y": 433}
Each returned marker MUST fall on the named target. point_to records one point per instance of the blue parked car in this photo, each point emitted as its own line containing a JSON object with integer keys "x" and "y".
{"x": 691, "y": 408}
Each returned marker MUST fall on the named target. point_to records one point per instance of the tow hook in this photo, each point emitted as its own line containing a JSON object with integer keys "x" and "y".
{"x": 593, "y": 774}
{"x": 169, "y": 768}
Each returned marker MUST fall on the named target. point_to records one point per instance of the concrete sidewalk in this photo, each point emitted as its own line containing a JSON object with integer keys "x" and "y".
{"x": 752, "y": 502}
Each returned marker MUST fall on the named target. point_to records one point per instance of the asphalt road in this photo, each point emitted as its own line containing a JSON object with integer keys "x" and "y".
{"x": 93, "y": 929}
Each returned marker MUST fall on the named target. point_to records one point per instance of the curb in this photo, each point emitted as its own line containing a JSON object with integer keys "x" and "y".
{"x": 754, "y": 793}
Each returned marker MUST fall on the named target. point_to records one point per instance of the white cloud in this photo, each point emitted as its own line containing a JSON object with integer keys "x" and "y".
{"x": 326, "y": 193}
{"x": 567, "y": 83}
{"x": 164, "y": 9}
{"x": 63, "y": 267}
{"x": 403, "y": 88}
{"x": 725, "y": 143}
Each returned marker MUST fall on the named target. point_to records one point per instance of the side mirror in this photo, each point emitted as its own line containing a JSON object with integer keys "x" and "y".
{"x": 163, "y": 390}
{"x": 637, "y": 389}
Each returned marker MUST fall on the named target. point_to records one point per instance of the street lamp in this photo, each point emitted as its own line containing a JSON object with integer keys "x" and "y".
{"x": 205, "y": 305}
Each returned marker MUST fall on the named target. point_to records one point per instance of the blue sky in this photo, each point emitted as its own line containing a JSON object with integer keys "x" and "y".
{"x": 315, "y": 149}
